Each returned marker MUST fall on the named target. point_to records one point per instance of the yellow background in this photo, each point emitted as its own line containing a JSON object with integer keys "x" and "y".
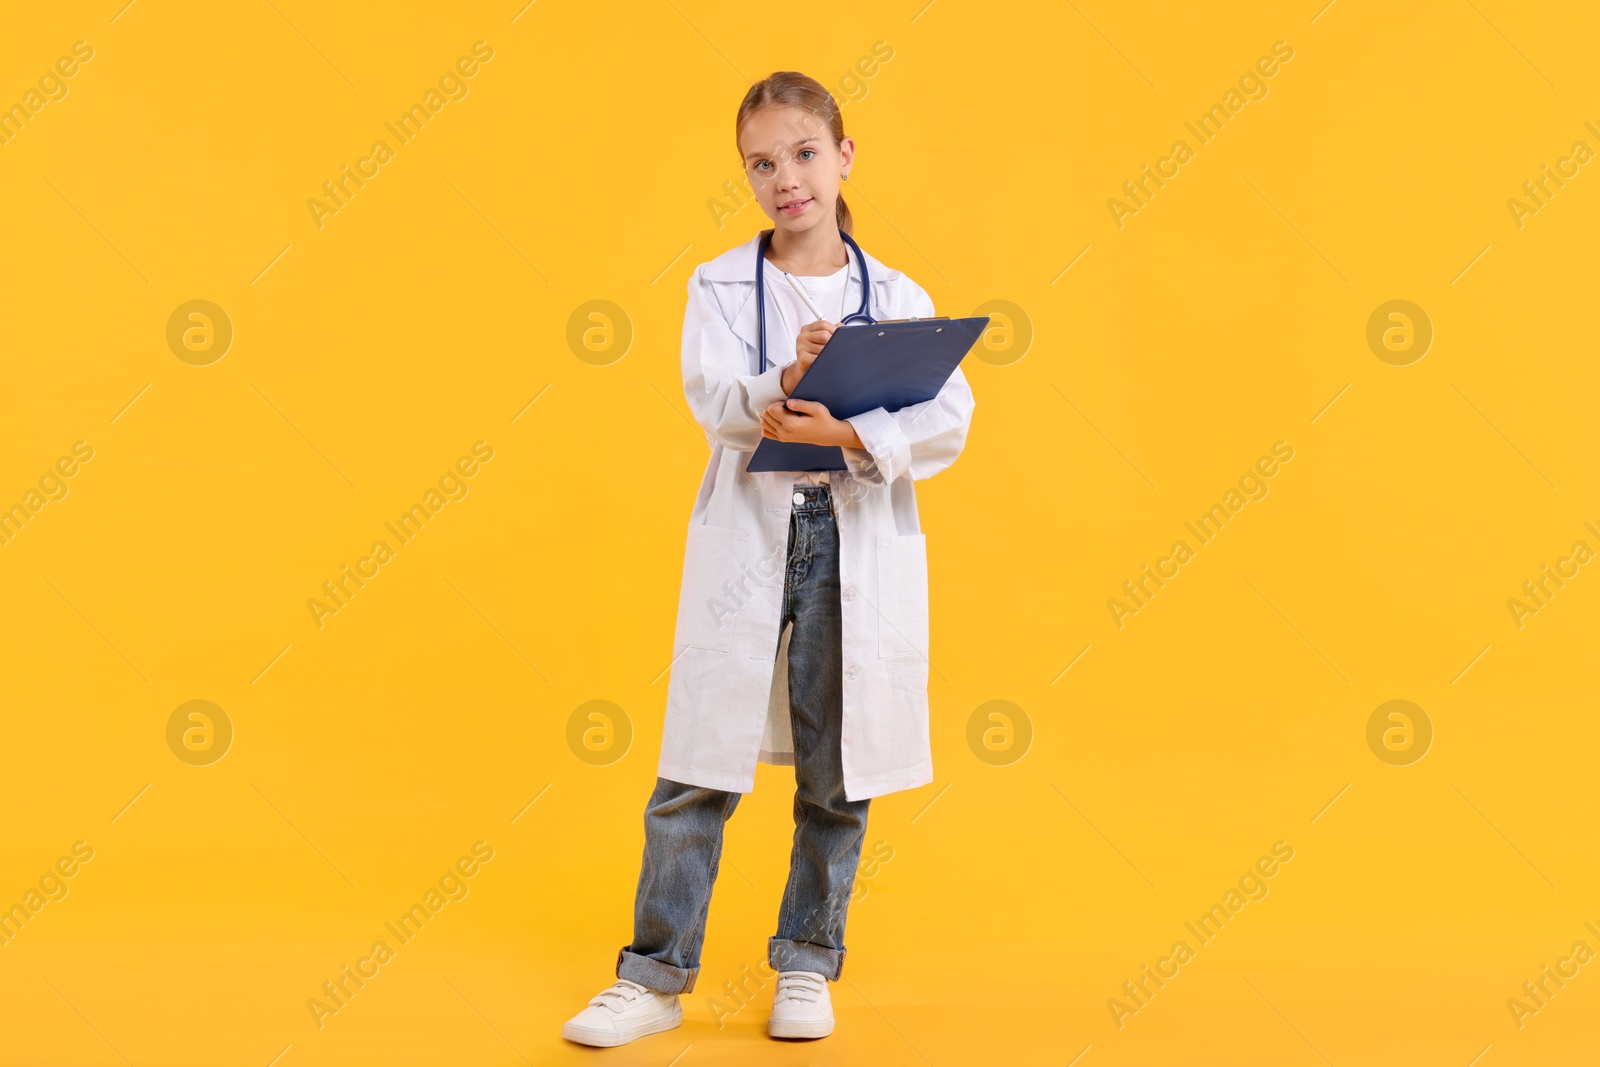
{"x": 432, "y": 710}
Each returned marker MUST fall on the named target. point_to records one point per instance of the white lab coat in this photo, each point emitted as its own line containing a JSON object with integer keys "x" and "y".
{"x": 728, "y": 698}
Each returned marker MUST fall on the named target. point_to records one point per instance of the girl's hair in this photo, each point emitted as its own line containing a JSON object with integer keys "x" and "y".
{"x": 792, "y": 89}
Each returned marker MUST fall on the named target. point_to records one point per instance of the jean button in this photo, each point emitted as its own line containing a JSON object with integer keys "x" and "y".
{"x": 799, "y": 498}
{"x": 852, "y": 672}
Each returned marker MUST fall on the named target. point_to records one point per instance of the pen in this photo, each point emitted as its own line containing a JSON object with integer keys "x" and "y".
{"x": 803, "y": 295}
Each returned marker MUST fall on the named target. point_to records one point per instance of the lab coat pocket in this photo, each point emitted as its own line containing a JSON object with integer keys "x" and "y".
{"x": 902, "y": 595}
{"x": 707, "y": 615}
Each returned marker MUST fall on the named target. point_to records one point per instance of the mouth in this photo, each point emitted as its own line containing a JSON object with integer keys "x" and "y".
{"x": 794, "y": 207}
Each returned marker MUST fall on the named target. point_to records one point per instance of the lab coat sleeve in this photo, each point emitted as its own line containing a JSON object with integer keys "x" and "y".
{"x": 726, "y": 399}
{"x": 920, "y": 440}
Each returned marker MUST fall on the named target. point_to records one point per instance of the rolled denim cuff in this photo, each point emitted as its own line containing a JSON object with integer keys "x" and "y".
{"x": 786, "y": 955}
{"x": 662, "y": 977}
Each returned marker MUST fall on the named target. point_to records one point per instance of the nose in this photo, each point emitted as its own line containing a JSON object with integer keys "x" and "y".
{"x": 785, "y": 175}
{"x": 784, "y": 182}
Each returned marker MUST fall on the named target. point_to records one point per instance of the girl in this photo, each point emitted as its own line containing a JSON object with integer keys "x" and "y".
{"x": 802, "y": 626}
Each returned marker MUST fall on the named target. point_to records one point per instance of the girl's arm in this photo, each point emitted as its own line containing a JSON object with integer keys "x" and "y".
{"x": 727, "y": 400}
{"x": 920, "y": 440}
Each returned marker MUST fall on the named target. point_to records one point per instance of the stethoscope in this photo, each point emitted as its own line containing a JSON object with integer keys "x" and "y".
{"x": 862, "y": 315}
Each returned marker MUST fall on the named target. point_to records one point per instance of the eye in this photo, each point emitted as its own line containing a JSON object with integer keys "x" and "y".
{"x": 808, "y": 151}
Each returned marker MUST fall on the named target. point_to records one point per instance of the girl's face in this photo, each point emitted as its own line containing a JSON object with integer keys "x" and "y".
{"x": 794, "y": 166}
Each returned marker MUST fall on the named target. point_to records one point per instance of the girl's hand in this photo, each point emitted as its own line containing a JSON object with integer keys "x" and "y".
{"x": 807, "y": 421}
{"x": 812, "y": 336}
{"x": 807, "y": 344}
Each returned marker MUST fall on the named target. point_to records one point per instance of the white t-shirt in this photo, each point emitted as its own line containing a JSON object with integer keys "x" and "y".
{"x": 828, "y": 294}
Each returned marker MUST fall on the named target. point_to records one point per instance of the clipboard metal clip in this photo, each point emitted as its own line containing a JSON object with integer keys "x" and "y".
{"x": 930, "y": 318}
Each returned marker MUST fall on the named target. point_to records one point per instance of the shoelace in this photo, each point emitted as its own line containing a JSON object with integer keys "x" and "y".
{"x": 800, "y": 985}
{"x": 619, "y": 996}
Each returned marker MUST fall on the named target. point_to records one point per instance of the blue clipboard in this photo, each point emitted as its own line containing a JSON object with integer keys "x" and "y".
{"x": 890, "y": 364}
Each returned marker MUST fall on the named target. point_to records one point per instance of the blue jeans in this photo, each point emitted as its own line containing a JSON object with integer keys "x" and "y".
{"x": 683, "y": 823}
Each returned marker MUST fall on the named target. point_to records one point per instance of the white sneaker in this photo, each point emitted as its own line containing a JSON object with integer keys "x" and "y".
{"x": 801, "y": 1007}
{"x": 617, "y": 1015}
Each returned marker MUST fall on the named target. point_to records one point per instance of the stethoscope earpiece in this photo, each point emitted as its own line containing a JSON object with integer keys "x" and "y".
{"x": 862, "y": 314}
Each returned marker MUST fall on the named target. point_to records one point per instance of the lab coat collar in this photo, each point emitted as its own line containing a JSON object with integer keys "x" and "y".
{"x": 737, "y": 267}
{"x": 738, "y": 264}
